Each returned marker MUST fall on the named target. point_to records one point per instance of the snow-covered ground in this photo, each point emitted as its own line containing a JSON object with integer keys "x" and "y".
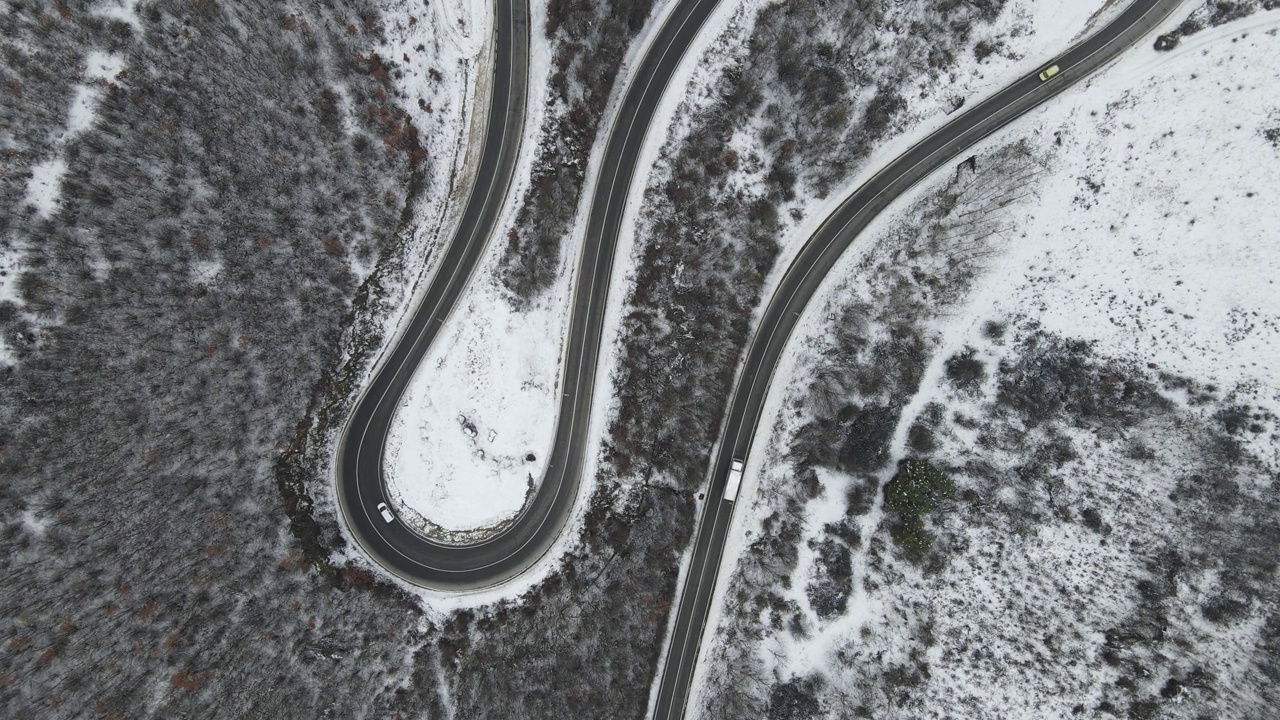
{"x": 1148, "y": 233}
{"x": 470, "y": 440}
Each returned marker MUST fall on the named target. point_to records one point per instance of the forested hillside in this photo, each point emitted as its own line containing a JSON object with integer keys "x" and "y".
{"x": 190, "y": 197}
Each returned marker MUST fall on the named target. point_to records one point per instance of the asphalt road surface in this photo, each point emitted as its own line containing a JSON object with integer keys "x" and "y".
{"x": 806, "y": 273}
{"x": 361, "y": 486}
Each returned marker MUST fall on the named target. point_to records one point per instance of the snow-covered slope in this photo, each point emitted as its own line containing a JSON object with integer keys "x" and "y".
{"x": 1090, "y": 556}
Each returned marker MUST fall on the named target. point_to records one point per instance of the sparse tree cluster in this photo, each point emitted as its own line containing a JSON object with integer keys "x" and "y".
{"x": 590, "y": 39}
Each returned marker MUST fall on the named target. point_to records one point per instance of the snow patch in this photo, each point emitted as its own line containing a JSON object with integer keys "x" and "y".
{"x": 44, "y": 187}
{"x": 34, "y": 524}
{"x": 102, "y": 66}
{"x": 473, "y": 432}
{"x": 465, "y": 23}
{"x": 9, "y": 270}
{"x": 206, "y": 272}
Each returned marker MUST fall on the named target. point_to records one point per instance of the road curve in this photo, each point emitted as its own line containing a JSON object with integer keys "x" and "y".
{"x": 361, "y": 486}
{"x": 801, "y": 282}
{"x": 360, "y": 483}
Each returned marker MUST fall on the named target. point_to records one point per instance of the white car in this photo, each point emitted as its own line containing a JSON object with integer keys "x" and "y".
{"x": 386, "y": 512}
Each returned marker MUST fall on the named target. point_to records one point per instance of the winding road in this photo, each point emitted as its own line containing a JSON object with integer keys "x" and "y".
{"x": 360, "y": 482}
{"x": 361, "y": 486}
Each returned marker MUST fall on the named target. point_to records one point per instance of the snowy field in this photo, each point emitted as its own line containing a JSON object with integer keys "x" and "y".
{"x": 1154, "y": 235}
{"x": 1144, "y": 228}
{"x": 469, "y": 442}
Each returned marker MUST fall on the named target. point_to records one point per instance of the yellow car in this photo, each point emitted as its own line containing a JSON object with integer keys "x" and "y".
{"x": 1048, "y": 73}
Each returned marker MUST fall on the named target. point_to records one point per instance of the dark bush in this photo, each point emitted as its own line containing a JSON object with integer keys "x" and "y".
{"x": 832, "y": 582}
{"x": 984, "y": 50}
{"x": 1144, "y": 710}
{"x": 1055, "y": 378}
{"x": 920, "y": 438}
{"x": 886, "y": 104}
{"x": 1268, "y": 659}
{"x": 867, "y": 432}
{"x": 846, "y": 529}
{"x": 1092, "y": 519}
{"x": 1225, "y": 11}
{"x": 993, "y": 330}
{"x": 909, "y": 498}
{"x": 808, "y": 482}
{"x": 860, "y": 496}
{"x": 793, "y": 700}
{"x": 1234, "y": 419}
{"x": 1224, "y": 609}
{"x": 965, "y": 371}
